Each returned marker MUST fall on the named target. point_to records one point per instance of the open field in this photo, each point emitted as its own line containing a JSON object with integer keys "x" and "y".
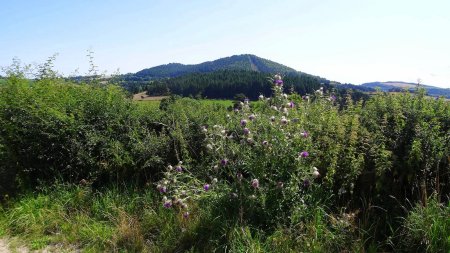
{"x": 144, "y": 97}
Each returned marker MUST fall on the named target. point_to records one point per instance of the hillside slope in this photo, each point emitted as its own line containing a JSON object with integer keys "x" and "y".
{"x": 236, "y": 62}
{"x": 398, "y": 86}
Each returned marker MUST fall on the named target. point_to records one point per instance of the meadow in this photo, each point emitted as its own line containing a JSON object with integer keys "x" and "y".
{"x": 85, "y": 167}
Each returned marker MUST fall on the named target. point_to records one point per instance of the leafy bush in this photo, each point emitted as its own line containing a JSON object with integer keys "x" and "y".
{"x": 51, "y": 127}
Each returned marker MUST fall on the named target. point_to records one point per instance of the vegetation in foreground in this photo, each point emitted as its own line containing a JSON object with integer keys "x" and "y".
{"x": 83, "y": 165}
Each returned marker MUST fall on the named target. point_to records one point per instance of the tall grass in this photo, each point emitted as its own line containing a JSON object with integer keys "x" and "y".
{"x": 427, "y": 228}
{"x": 132, "y": 220}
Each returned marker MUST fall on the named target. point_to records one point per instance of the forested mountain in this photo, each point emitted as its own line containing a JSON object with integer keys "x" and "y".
{"x": 235, "y": 62}
{"x": 222, "y": 78}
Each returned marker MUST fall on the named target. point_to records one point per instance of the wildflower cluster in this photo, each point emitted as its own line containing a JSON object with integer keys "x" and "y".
{"x": 180, "y": 188}
{"x": 257, "y": 156}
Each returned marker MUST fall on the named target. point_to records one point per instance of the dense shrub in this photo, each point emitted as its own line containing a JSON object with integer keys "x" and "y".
{"x": 52, "y": 128}
{"x": 274, "y": 163}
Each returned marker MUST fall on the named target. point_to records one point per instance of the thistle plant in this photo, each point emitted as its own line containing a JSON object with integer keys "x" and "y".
{"x": 262, "y": 161}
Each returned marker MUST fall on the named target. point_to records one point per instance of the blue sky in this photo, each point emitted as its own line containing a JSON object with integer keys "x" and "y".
{"x": 352, "y": 41}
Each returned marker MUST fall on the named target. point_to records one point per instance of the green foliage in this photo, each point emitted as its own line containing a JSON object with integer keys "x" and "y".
{"x": 51, "y": 127}
{"x": 427, "y": 228}
{"x": 366, "y": 160}
{"x": 131, "y": 220}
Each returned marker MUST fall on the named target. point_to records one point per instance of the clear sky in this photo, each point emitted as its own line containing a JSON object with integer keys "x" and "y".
{"x": 351, "y": 41}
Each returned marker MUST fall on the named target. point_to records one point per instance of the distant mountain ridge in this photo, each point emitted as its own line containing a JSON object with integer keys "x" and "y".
{"x": 246, "y": 62}
{"x": 398, "y": 86}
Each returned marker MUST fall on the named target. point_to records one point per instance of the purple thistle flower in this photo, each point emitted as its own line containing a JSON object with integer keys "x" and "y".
{"x": 224, "y": 162}
{"x": 167, "y": 204}
{"x": 265, "y": 143}
{"x": 246, "y": 131}
{"x": 178, "y": 168}
{"x": 255, "y": 183}
{"x": 186, "y": 215}
{"x": 206, "y": 187}
{"x": 332, "y": 98}
{"x": 284, "y": 121}
{"x": 291, "y": 104}
{"x": 243, "y": 122}
{"x": 251, "y": 117}
{"x": 304, "y": 134}
{"x": 162, "y": 189}
{"x": 304, "y": 154}
{"x": 279, "y": 82}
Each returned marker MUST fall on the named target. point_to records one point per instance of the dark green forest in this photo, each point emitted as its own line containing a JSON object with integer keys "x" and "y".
{"x": 226, "y": 84}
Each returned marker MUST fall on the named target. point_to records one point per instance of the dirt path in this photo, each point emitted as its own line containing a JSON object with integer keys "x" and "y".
{"x": 4, "y": 247}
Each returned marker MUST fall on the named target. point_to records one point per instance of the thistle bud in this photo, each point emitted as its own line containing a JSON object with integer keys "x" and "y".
{"x": 315, "y": 173}
{"x": 255, "y": 183}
